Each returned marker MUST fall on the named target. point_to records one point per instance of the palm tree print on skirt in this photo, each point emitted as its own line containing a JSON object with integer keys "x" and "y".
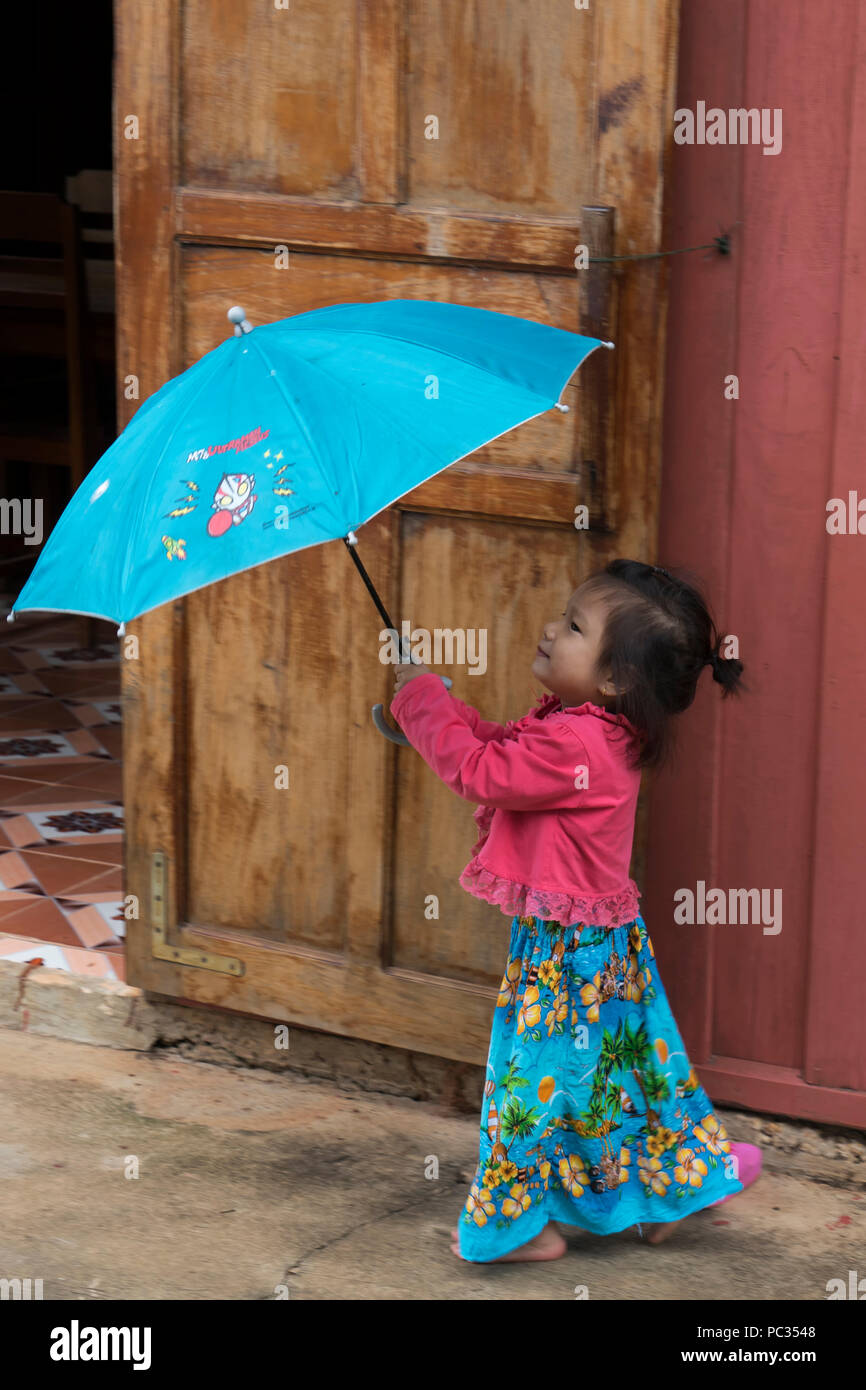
{"x": 592, "y": 1114}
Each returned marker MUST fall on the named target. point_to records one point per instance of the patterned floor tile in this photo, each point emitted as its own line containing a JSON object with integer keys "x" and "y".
{"x": 54, "y": 825}
{"x": 103, "y": 965}
{"x": 37, "y": 917}
{"x": 61, "y": 875}
{"x": 61, "y": 790}
{"x": 20, "y": 746}
{"x": 94, "y": 927}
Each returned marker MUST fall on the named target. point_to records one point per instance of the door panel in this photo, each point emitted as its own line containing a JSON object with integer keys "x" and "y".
{"x": 476, "y": 573}
{"x": 269, "y": 97}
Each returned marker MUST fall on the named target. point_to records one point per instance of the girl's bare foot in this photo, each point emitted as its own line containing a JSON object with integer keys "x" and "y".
{"x": 547, "y": 1245}
{"x": 660, "y": 1230}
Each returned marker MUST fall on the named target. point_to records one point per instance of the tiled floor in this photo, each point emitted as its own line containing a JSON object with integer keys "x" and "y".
{"x": 61, "y": 808}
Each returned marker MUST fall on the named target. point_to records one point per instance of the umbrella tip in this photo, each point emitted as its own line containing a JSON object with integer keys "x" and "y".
{"x": 121, "y": 630}
{"x": 10, "y": 616}
{"x": 237, "y": 316}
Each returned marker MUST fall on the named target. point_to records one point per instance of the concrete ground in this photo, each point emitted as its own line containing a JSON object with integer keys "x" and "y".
{"x": 251, "y": 1182}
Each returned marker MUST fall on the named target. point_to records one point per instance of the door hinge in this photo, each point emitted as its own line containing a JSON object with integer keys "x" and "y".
{"x": 161, "y": 947}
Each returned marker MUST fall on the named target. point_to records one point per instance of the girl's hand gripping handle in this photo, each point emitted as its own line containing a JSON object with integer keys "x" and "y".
{"x": 404, "y": 671}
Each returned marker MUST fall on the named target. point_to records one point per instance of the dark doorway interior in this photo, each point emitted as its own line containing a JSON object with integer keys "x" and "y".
{"x": 57, "y": 354}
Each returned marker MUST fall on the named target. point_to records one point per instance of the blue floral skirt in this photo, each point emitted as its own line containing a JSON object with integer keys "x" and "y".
{"x": 592, "y": 1112}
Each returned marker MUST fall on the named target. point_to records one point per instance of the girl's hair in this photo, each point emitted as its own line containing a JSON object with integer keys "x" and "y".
{"x": 658, "y": 637}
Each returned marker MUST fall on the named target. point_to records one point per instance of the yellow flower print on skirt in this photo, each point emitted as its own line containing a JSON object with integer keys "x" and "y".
{"x": 592, "y": 1114}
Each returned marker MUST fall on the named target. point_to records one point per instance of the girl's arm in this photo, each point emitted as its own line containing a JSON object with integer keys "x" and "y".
{"x": 533, "y": 772}
{"x": 483, "y": 729}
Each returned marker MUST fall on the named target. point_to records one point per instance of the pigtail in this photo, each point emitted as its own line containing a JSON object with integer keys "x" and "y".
{"x": 727, "y": 670}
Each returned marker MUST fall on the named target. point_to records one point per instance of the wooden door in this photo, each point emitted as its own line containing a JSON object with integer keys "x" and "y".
{"x": 455, "y": 151}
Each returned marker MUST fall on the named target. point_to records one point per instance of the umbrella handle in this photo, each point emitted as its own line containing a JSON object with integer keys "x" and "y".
{"x": 397, "y": 736}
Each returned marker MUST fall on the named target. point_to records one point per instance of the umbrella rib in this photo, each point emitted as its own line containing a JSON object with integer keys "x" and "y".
{"x": 465, "y": 361}
{"x": 450, "y": 462}
{"x": 399, "y": 426}
{"x": 275, "y": 378}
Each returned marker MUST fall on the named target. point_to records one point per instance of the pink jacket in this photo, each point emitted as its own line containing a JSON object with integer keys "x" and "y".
{"x": 547, "y": 848}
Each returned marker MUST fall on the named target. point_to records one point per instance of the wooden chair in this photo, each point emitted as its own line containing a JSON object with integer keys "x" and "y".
{"x": 92, "y": 192}
{"x": 44, "y": 322}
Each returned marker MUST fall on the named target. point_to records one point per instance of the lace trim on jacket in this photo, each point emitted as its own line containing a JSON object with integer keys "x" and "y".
{"x": 604, "y": 910}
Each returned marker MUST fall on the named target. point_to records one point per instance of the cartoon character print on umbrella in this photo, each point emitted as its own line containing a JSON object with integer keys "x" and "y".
{"x": 233, "y": 499}
{"x": 232, "y": 503}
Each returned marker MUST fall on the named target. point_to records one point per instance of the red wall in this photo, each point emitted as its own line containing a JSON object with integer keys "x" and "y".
{"x": 768, "y": 791}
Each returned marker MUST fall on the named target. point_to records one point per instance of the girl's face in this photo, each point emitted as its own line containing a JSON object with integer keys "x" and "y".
{"x": 567, "y": 659}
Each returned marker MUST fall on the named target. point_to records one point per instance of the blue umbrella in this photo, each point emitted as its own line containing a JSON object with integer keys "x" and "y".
{"x": 287, "y": 436}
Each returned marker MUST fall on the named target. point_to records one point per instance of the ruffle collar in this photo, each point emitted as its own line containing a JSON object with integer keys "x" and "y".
{"x": 549, "y": 702}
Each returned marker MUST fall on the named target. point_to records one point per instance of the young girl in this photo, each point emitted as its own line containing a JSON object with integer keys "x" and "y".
{"x": 592, "y": 1113}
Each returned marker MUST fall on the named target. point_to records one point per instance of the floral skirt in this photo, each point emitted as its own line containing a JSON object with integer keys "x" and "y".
{"x": 592, "y": 1114}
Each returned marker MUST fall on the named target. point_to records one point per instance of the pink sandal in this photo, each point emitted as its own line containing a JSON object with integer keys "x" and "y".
{"x": 749, "y": 1165}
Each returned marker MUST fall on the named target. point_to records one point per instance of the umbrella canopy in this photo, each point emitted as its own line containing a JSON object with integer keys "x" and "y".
{"x": 289, "y": 435}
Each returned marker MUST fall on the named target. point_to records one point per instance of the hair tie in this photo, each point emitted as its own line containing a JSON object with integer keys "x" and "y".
{"x": 657, "y": 569}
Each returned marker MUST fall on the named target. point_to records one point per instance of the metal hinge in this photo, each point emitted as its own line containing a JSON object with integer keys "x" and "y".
{"x": 161, "y": 947}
